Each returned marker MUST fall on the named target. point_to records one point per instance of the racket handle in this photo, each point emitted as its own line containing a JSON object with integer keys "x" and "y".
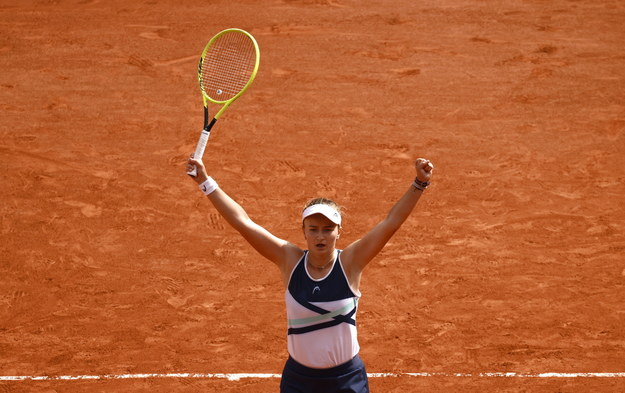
{"x": 199, "y": 150}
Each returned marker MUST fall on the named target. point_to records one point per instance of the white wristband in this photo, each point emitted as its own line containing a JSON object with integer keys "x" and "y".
{"x": 420, "y": 185}
{"x": 209, "y": 186}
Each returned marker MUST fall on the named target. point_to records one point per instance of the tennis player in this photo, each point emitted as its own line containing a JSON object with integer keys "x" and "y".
{"x": 322, "y": 283}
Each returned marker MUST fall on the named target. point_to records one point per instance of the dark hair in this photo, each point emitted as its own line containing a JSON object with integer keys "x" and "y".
{"x": 323, "y": 201}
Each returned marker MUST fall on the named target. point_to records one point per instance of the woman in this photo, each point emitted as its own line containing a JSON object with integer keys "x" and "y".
{"x": 322, "y": 283}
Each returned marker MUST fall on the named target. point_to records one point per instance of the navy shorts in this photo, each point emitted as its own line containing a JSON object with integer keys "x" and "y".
{"x": 350, "y": 377}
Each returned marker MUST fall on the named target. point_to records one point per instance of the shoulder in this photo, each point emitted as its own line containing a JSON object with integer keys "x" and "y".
{"x": 352, "y": 270}
{"x": 293, "y": 255}
{"x": 348, "y": 255}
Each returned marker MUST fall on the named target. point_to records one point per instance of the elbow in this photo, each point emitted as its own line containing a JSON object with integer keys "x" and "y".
{"x": 241, "y": 223}
{"x": 392, "y": 225}
{"x": 389, "y": 227}
{"x": 244, "y": 225}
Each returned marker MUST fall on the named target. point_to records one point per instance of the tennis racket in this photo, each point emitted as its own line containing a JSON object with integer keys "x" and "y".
{"x": 226, "y": 70}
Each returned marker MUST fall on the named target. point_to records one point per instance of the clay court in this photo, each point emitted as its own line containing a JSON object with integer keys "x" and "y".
{"x": 113, "y": 263}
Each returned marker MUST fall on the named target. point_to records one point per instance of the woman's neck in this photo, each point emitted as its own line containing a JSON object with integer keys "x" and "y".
{"x": 321, "y": 262}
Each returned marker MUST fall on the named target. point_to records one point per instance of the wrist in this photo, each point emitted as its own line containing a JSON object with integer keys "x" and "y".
{"x": 420, "y": 185}
{"x": 208, "y": 186}
{"x": 201, "y": 178}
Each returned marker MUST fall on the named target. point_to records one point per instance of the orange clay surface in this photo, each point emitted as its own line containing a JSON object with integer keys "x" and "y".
{"x": 113, "y": 262}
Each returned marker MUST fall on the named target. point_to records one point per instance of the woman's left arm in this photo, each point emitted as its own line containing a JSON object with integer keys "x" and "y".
{"x": 358, "y": 254}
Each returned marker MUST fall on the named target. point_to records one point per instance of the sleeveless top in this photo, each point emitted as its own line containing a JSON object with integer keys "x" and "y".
{"x": 321, "y": 316}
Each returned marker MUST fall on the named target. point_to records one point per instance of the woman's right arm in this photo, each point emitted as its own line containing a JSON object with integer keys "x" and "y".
{"x": 277, "y": 250}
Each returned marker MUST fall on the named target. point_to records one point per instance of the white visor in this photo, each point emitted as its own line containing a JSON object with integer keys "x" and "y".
{"x": 329, "y": 212}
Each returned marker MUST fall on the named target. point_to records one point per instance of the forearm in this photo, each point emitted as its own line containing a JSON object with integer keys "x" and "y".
{"x": 406, "y": 204}
{"x": 271, "y": 247}
{"x": 403, "y": 207}
{"x": 229, "y": 209}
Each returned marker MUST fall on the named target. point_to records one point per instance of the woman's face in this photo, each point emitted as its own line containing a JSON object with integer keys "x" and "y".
{"x": 320, "y": 234}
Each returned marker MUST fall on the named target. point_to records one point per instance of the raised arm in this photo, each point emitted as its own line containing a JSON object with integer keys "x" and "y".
{"x": 269, "y": 246}
{"x": 358, "y": 254}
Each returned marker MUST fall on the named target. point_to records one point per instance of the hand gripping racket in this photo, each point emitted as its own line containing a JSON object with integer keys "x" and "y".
{"x": 227, "y": 68}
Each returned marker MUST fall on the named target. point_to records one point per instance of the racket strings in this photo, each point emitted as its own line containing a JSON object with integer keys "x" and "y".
{"x": 227, "y": 66}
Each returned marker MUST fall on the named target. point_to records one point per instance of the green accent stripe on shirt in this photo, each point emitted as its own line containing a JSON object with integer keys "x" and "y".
{"x": 330, "y": 315}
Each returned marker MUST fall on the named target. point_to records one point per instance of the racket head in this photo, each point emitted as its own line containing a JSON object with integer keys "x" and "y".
{"x": 228, "y": 66}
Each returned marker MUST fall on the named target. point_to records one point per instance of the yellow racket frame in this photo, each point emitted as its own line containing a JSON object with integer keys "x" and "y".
{"x": 226, "y": 103}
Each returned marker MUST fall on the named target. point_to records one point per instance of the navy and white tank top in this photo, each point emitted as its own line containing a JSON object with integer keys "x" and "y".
{"x": 321, "y": 316}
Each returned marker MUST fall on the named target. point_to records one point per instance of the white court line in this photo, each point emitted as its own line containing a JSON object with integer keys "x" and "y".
{"x": 239, "y": 376}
